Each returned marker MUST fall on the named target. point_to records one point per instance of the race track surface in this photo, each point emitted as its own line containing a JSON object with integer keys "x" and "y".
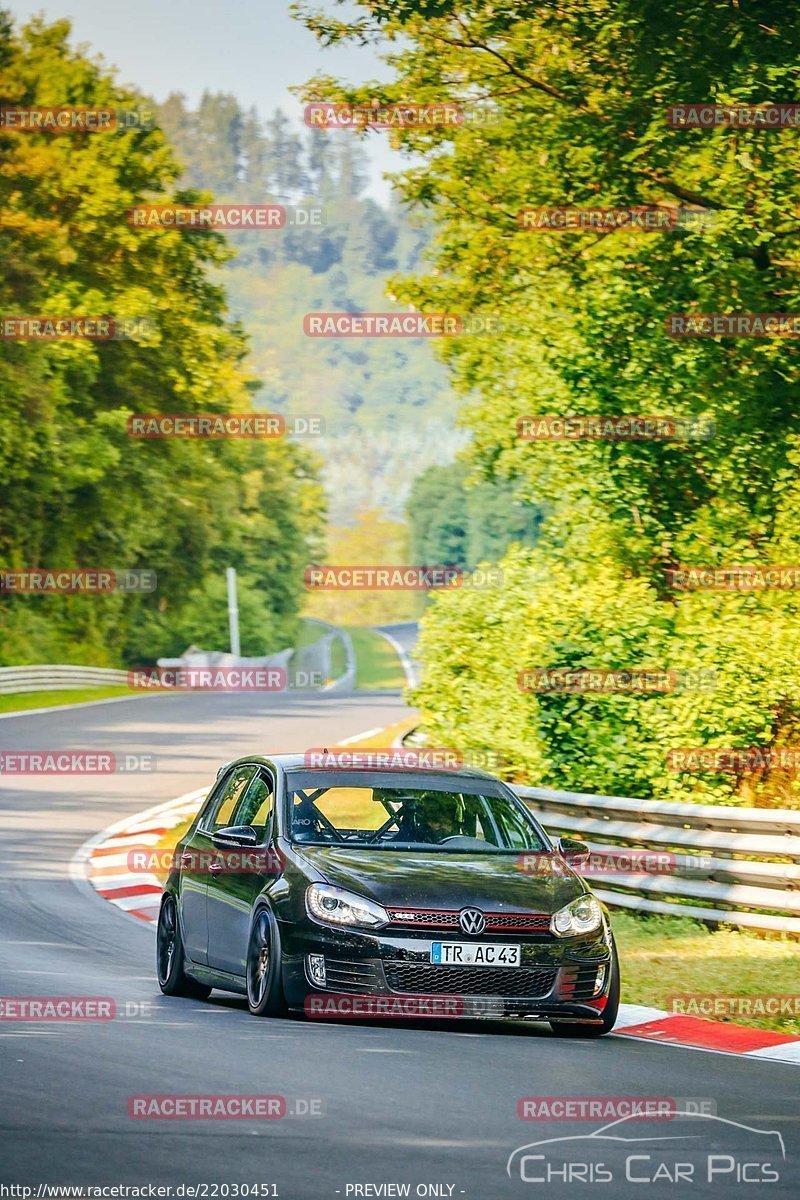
{"x": 433, "y": 1107}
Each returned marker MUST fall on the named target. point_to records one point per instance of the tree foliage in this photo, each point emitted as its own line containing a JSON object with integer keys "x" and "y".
{"x": 77, "y": 491}
{"x": 373, "y": 541}
{"x": 577, "y": 95}
{"x": 460, "y": 525}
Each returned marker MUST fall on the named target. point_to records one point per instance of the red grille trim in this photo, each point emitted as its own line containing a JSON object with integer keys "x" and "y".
{"x": 442, "y": 918}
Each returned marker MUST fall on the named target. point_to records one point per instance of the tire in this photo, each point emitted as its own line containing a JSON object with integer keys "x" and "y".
{"x": 172, "y": 979}
{"x": 265, "y": 997}
{"x": 579, "y": 1029}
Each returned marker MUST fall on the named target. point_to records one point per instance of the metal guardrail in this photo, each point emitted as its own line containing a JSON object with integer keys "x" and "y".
{"x": 733, "y": 866}
{"x": 411, "y": 669}
{"x": 56, "y": 678}
{"x": 346, "y": 682}
{"x": 318, "y": 657}
{"x": 52, "y": 678}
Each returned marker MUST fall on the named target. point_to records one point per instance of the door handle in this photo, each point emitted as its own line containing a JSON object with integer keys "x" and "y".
{"x": 216, "y": 867}
{"x": 186, "y": 859}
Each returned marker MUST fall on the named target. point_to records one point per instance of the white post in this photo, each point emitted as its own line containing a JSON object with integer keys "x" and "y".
{"x": 233, "y": 612}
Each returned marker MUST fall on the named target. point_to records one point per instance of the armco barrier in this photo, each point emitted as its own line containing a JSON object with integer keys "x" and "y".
{"x": 347, "y": 680}
{"x": 58, "y": 678}
{"x": 317, "y": 657}
{"x": 53, "y": 678}
{"x": 747, "y": 872}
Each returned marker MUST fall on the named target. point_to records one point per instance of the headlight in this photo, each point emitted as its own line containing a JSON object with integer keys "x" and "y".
{"x": 579, "y": 916}
{"x": 334, "y": 906}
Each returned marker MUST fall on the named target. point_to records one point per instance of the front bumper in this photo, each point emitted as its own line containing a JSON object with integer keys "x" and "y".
{"x": 557, "y": 978}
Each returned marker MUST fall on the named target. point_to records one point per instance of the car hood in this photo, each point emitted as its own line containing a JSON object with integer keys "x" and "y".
{"x": 413, "y": 879}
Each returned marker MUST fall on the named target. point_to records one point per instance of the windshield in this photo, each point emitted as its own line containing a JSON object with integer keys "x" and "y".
{"x": 472, "y": 816}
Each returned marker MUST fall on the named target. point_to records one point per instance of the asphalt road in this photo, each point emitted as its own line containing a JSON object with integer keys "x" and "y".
{"x": 433, "y": 1107}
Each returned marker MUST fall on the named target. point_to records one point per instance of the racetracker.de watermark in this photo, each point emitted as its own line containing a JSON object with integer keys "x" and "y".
{"x": 433, "y": 758}
{"x": 89, "y": 581}
{"x": 565, "y": 680}
{"x": 726, "y": 1004}
{"x": 746, "y": 577}
{"x": 72, "y": 328}
{"x": 75, "y": 120}
{"x": 649, "y": 218}
{"x": 609, "y": 1108}
{"x": 400, "y": 578}
{"x": 710, "y": 116}
{"x": 260, "y": 861}
{"x": 223, "y": 425}
{"x": 378, "y": 324}
{"x": 618, "y": 428}
{"x": 221, "y": 679}
{"x": 72, "y": 1008}
{"x": 330, "y": 114}
{"x": 328, "y": 1005}
{"x": 733, "y": 325}
{"x": 409, "y": 325}
{"x": 74, "y": 762}
{"x": 223, "y": 1108}
{"x": 614, "y": 861}
{"x": 196, "y": 218}
{"x": 719, "y": 760}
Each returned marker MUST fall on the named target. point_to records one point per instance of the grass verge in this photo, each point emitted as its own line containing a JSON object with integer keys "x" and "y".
{"x": 338, "y": 658}
{"x": 662, "y": 955}
{"x": 377, "y": 662}
{"x": 308, "y": 632}
{"x": 21, "y": 701}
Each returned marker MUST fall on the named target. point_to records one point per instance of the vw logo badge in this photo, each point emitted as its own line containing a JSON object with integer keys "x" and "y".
{"x": 472, "y": 920}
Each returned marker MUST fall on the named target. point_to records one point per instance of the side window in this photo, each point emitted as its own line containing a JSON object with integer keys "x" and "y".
{"x": 234, "y": 788}
{"x": 255, "y": 807}
{"x": 211, "y": 801}
{"x": 516, "y": 833}
{"x": 477, "y": 821}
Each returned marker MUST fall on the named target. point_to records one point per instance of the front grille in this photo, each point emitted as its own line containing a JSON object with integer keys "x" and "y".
{"x": 437, "y": 918}
{"x": 345, "y": 975}
{"x": 523, "y": 922}
{"x": 432, "y": 918}
{"x": 470, "y": 981}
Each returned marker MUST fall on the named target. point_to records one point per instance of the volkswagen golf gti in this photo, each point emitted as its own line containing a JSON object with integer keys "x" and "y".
{"x": 297, "y": 882}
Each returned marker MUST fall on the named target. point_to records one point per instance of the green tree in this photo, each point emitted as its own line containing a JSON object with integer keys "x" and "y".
{"x": 452, "y": 522}
{"x": 285, "y": 175}
{"x": 574, "y": 103}
{"x": 77, "y": 490}
{"x": 372, "y": 541}
{"x": 578, "y": 97}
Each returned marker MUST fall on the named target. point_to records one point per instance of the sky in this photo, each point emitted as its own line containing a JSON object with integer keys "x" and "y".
{"x": 251, "y": 48}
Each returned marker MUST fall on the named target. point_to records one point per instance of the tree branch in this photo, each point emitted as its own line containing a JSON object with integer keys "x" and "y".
{"x": 682, "y": 193}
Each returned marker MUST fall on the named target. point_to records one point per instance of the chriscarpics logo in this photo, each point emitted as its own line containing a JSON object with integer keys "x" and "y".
{"x": 687, "y": 1150}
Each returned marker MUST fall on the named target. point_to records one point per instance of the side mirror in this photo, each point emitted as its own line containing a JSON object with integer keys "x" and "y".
{"x": 235, "y": 835}
{"x": 571, "y": 848}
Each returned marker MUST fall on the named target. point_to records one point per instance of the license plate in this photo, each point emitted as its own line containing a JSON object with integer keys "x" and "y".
{"x": 474, "y": 954}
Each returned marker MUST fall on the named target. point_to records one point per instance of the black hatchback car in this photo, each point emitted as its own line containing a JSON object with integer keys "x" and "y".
{"x": 304, "y": 888}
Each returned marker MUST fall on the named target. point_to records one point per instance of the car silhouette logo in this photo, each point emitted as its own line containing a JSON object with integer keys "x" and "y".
{"x": 472, "y": 920}
{"x": 688, "y": 1129}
